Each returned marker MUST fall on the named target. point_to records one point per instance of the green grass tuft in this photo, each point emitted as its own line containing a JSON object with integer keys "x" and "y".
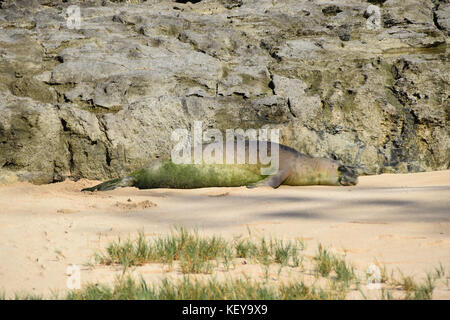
{"x": 192, "y": 251}
{"x": 195, "y": 253}
{"x": 126, "y": 288}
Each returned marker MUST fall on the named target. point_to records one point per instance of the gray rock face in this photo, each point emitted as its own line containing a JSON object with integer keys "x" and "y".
{"x": 102, "y": 100}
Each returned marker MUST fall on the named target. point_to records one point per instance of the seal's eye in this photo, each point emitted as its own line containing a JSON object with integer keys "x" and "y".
{"x": 342, "y": 169}
{"x": 347, "y": 170}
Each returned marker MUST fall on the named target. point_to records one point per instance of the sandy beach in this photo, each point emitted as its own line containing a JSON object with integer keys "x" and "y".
{"x": 401, "y": 221}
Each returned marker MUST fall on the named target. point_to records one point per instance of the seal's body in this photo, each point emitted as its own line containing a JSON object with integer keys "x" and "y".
{"x": 295, "y": 169}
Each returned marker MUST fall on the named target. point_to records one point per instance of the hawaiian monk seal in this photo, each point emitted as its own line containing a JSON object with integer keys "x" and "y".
{"x": 295, "y": 169}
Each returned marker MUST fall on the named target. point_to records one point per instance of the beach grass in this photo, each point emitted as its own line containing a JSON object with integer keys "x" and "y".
{"x": 198, "y": 259}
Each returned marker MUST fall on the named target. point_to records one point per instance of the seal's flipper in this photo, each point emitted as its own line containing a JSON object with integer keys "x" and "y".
{"x": 271, "y": 181}
{"x": 111, "y": 184}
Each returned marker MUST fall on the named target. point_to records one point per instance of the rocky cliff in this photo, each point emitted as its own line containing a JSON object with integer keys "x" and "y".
{"x": 101, "y": 99}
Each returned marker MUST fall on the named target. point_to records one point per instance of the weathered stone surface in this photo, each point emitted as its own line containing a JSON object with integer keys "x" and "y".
{"x": 30, "y": 138}
{"x": 102, "y": 100}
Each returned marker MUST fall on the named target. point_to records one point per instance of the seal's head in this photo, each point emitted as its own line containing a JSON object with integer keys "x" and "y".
{"x": 347, "y": 176}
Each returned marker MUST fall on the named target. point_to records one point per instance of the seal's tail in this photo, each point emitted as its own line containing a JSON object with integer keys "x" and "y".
{"x": 111, "y": 184}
